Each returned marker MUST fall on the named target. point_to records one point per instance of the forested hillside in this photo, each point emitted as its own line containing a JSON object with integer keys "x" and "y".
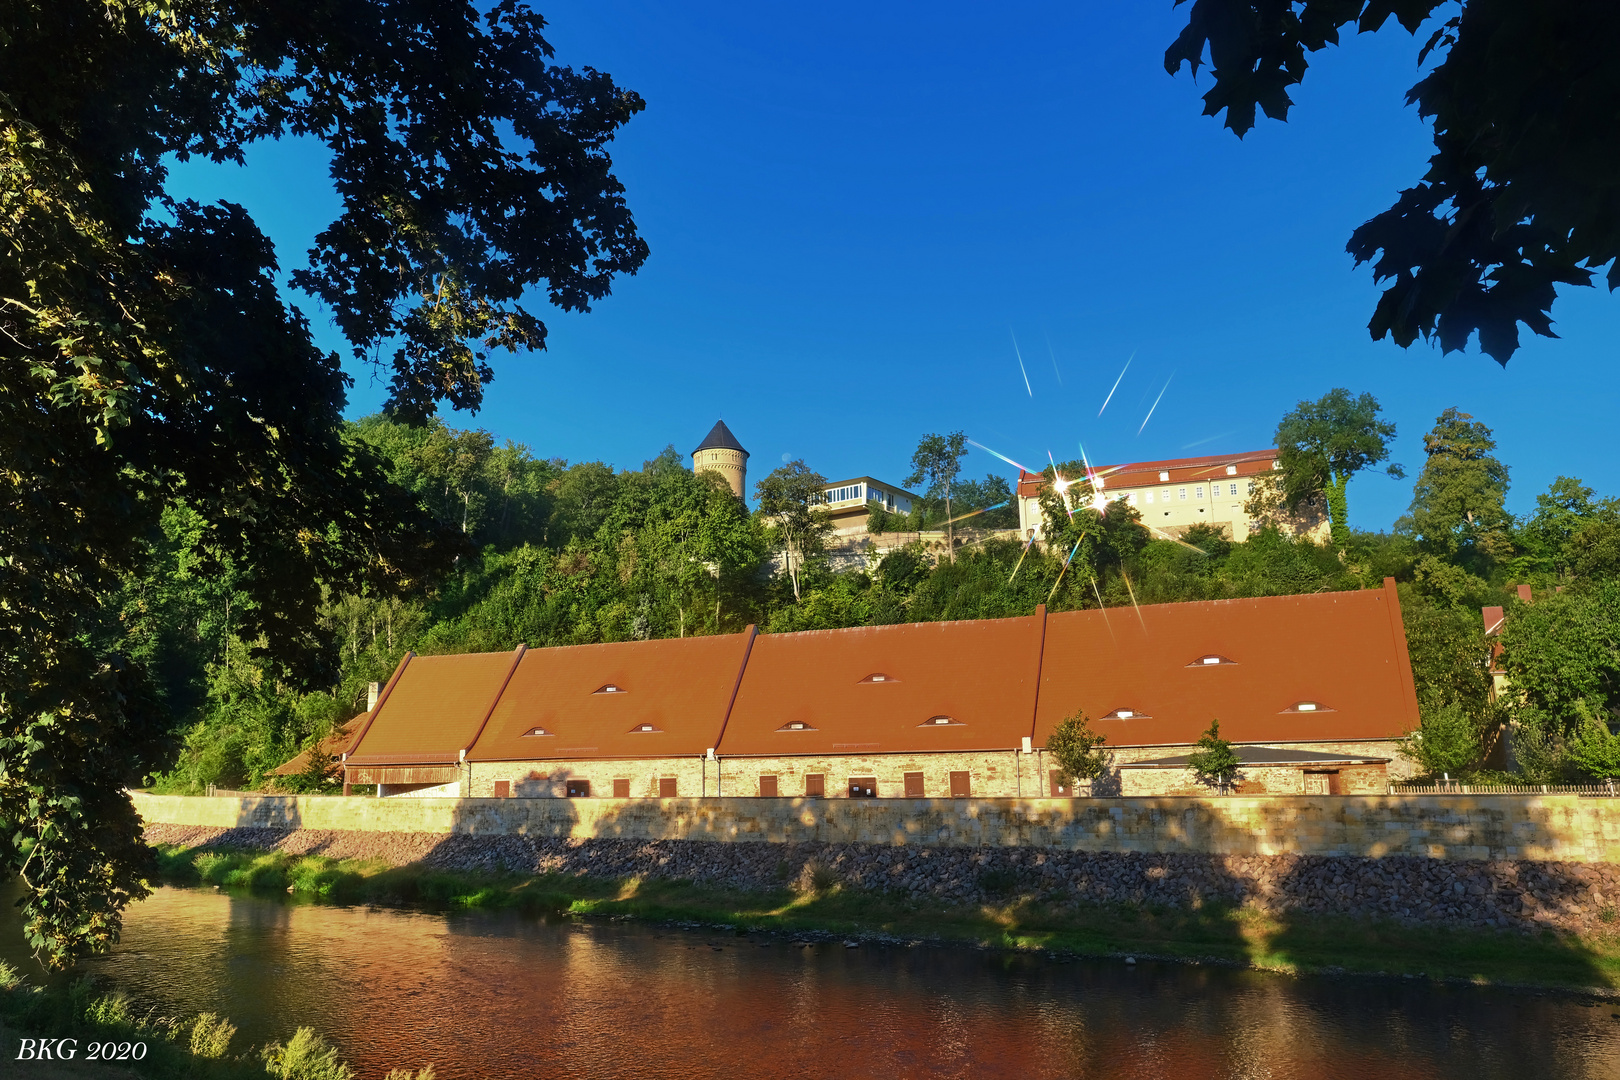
{"x": 551, "y": 553}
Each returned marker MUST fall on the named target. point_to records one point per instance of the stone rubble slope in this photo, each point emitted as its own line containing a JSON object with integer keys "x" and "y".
{"x": 1522, "y": 895}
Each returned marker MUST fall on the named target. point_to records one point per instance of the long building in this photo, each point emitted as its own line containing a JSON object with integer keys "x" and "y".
{"x": 1174, "y": 495}
{"x": 1316, "y": 691}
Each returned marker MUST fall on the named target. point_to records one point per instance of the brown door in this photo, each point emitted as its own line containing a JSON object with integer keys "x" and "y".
{"x": 961, "y": 785}
{"x": 621, "y": 788}
{"x": 666, "y": 787}
{"x": 1061, "y": 788}
{"x": 767, "y": 787}
{"x": 863, "y": 787}
{"x": 1334, "y": 787}
{"x": 503, "y": 789}
{"x": 914, "y": 785}
{"x": 579, "y": 789}
{"x": 815, "y": 785}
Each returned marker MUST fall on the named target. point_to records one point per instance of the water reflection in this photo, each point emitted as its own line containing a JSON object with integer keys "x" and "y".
{"x": 483, "y": 995}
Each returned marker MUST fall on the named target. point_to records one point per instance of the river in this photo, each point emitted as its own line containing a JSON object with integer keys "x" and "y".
{"x": 505, "y": 995}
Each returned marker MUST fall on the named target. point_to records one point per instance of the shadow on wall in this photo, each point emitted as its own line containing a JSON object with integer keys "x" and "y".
{"x": 269, "y": 812}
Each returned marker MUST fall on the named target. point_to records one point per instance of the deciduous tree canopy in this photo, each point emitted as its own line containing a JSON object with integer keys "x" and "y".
{"x": 1520, "y": 194}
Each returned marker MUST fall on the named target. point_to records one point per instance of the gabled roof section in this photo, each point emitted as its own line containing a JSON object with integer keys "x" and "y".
{"x": 720, "y": 438}
{"x": 682, "y": 687}
{"x": 433, "y": 708}
{"x": 1179, "y": 470}
{"x": 982, "y": 675}
{"x": 1347, "y": 649}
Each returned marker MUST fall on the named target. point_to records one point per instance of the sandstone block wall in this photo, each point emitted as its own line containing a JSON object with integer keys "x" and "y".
{"x": 1547, "y": 827}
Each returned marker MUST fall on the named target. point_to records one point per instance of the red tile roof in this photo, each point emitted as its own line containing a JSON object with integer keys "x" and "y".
{"x": 876, "y": 689}
{"x": 1181, "y": 470}
{"x": 1344, "y": 652}
{"x": 682, "y": 688}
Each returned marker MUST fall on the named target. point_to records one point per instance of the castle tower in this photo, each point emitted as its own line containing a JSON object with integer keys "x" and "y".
{"x": 721, "y": 452}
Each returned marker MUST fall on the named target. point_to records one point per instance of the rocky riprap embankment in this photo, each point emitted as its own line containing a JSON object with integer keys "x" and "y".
{"x": 1580, "y": 897}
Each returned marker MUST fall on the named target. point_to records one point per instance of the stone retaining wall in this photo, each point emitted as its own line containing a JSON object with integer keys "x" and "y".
{"x": 1547, "y": 827}
{"x": 1517, "y": 895}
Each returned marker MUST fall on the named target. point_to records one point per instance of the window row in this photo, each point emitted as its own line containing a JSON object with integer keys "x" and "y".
{"x": 913, "y": 786}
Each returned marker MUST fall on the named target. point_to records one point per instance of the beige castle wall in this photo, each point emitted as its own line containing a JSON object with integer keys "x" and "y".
{"x": 1545, "y": 827}
{"x": 731, "y": 464}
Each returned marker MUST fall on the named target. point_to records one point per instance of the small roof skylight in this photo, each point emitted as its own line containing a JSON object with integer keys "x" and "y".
{"x": 643, "y": 728}
{"x": 610, "y": 688}
{"x": 941, "y": 721}
{"x": 1307, "y": 707}
{"x": 878, "y": 676}
{"x": 1127, "y": 714}
{"x": 535, "y": 731}
{"x": 1211, "y": 660}
{"x": 795, "y": 725}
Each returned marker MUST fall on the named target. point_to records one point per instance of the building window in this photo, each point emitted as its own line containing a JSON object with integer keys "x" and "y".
{"x": 863, "y": 787}
{"x": 1150, "y": 496}
{"x": 815, "y": 785}
{"x": 1165, "y": 495}
{"x": 914, "y": 785}
{"x": 767, "y": 787}
{"x": 578, "y": 789}
{"x": 503, "y": 789}
{"x": 1231, "y": 470}
{"x": 1163, "y": 477}
{"x": 1233, "y": 487}
{"x": 1182, "y": 493}
{"x": 621, "y": 788}
{"x": 666, "y": 787}
{"x": 1251, "y": 487}
{"x": 961, "y": 785}
{"x": 1198, "y": 493}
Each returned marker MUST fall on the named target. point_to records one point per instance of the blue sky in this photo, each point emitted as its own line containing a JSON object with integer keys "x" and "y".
{"x": 853, "y": 211}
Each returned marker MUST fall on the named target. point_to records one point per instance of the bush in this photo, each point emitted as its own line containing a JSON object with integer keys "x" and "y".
{"x": 1594, "y": 749}
{"x": 1448, "y": 741}
{"x": 306, "y": 1056}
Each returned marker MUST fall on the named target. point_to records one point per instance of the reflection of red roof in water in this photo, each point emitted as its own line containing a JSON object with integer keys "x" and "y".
{"x": 1329, "y": 667}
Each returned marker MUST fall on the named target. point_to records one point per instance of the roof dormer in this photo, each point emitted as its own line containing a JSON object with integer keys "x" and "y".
{"x": 795, "y": 725}
{"x": 879, "y": 677}
{"x": 942, "y": 721}
{"x": 1127, "y": 714}
{"x": 609, "y": 688}
{"x": 1307, "y": 707}
{"x": 646, "y": 729}
{"x": 1211, "y": 660}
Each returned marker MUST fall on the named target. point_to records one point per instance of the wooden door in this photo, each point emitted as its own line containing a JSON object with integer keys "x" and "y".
{"x": 767, "y": 787}
{"x": 961, "y": 785}
{"x": 914, "y": 785}
{"x": 621, "y": 788}
{"x": 666, "y": 787}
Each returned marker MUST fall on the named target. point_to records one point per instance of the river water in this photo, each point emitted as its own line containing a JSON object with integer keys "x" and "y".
{"x": 506, "y": 995}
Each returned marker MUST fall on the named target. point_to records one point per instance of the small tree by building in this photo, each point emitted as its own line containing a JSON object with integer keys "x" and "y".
{"x": 937, "y": 462}
{"x": 1321, "y": 444}
{"x": 1074, "y": 746}
{"x": 1449, "y": 740}
{"x": 1594, "y": 749}
{"x": 1214, "y": 762}
{"x": 798, "y": 525}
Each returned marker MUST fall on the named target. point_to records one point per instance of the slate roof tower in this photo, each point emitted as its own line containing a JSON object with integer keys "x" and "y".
{"x": 722, "y": 453}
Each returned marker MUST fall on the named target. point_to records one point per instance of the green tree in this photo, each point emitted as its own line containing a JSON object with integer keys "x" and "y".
{"x": 1214, "y": 762}
{"x": 1073, "y": 745}
{"x": 1448, "y": 741}
{"x": 150, "y": 358}
{"x": 993, "y": 490}
{"x": 1593, "y": 748}
{"x": 1458, "y": 503}
{"x": 1564, "y": 649}
{"x": 790, "y": 503}
{"x": 1321, "y": 444}
{"x": 1517, "y": 197}
{"x": 1542, "y": 539}
{"x": 937, "y": 463}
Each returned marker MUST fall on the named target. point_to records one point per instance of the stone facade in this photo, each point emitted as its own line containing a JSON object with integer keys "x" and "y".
{"x": 648, "y": 778}
{"x": 1537, "y": 827}
{"x": 1281, "y": 780}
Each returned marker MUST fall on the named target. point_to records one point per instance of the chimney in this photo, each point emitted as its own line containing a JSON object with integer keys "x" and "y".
{"x": 1524, "y": 593}
{"x": 372, "y": 693}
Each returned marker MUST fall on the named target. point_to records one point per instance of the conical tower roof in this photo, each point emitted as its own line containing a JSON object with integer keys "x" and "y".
{"x": 720, "y": 438}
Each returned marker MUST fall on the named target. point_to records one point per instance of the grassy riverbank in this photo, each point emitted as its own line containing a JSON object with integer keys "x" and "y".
{"x": 1292, "y": 942}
